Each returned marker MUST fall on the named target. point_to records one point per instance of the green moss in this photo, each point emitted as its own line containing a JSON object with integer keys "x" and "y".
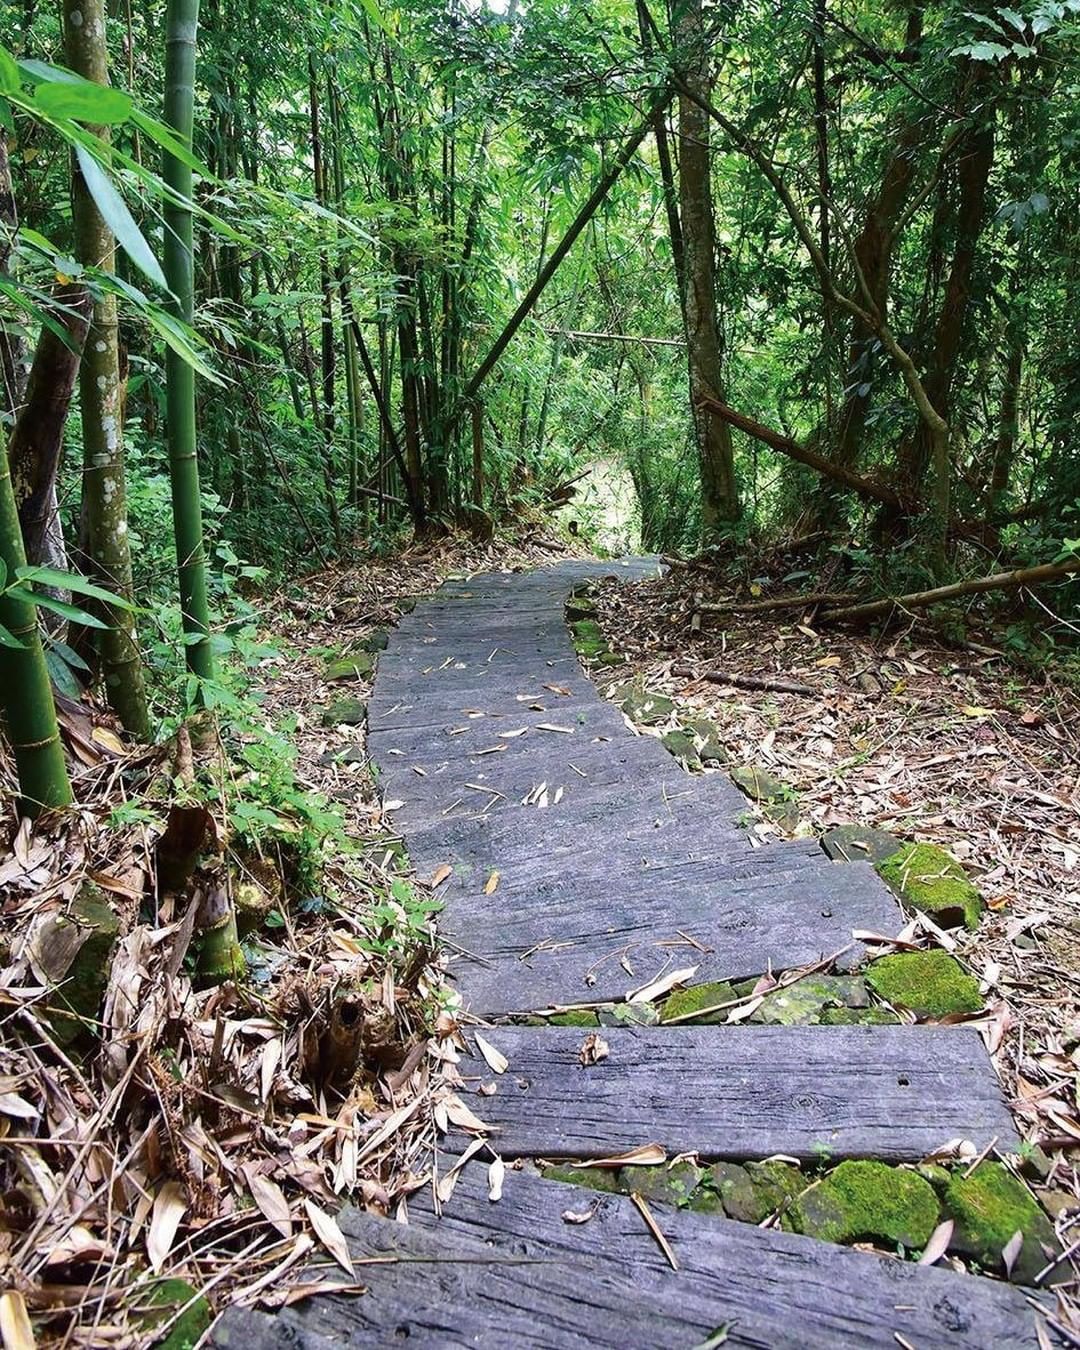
{"x": 666, "y": 1185}
{"x": 931, "y": 983}
{"x": 164, "y": 1298}
{"x": 349, "y": 712}
{"x": 699, "y": 996}
{"x": 593, "y": 1178}
{"x": 987, "y": 1208}
{"x": 74, "y": 950}
{"x": 805, "y": 1001}
{"x": 350, "y": 666}
{"x": 576, "y": 1017}
{"x": 643, "y": 705}
{"x": 752, "y": 1192}
{"x": 868, "y": 1201}
{"x": 853, "y": 1017}
{"x": 679, "y": 744}
{"x": 933, "y": 881}
{"x": 777, "y": 1182}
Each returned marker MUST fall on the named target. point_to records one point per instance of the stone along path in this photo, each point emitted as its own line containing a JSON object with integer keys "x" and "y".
{"x": 615, "y": 868}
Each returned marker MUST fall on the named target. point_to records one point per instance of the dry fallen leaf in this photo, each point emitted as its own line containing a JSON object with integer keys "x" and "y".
{"x": 654, "y": 1229}
{"x": 496, "y": 1177}
{"x": 15, "y": 1329}
{"x": 937, "y": 1244}
{"x": 645, "y": 1155}
{"x": 169, "y": 1206}
{"x": 580, "y": 1215}
{"x": 496, "y": 1060}
{"x": 1011, "y": 1251}
{"x": 441, "y": 874}
{"x": 491, "y": 883}
{"x": 593, "y": 1049}
{"x": 271, "y": 1201}
{"x": 662, "y": 985}
{"x": 330, "y": 1235}
{"x": 457, "y": 1113}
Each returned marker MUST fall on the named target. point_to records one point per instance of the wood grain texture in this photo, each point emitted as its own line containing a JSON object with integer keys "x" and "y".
{"x": 517, "y": 1274}
{"x": 896, "y": 1093}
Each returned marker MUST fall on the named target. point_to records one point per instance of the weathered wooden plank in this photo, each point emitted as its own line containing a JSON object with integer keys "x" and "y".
{"x": 746, "y": 1091}
{"x": 649, "y": 820}
{"x": 516, "y": 1274}
{"x": 569, "y": 953}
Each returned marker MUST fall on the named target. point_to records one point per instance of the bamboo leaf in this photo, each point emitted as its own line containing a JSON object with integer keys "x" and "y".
{"x": 170, "y": 1205}
{"x": 70, "y": 581}
{"x": 163, "y": 136}
{"x": 9, "y": 73}
{"x": 175, "y": 335}
{"x": 9, "y": 639}
{"x": 98, "y": 104}
{"x": 45, "y": 601}
{"x": 118, "y": 218}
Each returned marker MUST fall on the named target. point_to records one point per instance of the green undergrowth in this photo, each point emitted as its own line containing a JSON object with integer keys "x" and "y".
{"x": 894, "y": 1207}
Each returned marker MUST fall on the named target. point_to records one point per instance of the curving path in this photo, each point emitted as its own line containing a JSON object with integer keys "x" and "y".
{"x": 613, "y": 867}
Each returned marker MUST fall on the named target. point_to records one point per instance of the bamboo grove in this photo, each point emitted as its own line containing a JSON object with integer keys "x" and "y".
{"x": 282, "y": 285}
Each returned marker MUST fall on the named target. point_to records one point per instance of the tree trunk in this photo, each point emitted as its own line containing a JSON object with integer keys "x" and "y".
{"x": 12, "y": 354}
{"x": 974, "y": 156}
{"x": 36, "y": 444}
{"x": 24, "y": 678}
{"x": 181, "y": 27}
{"x": 104, "y": 489}
{"x": 719, "y": 494}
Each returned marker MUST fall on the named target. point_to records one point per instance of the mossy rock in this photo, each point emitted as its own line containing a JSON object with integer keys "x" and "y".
{"x": 348, "y": 712}
{"x": 709, "y": 747}
{"x": 376, "y": 641}
{"x": 580, "y": 607}
{"x": 860, "y": 843}
{"x": 593, "y": 1178}
{"x": 803, "y": 1003}
{"x": 868, "y": 1201}
{"x": 931, "y": 983}
{"x": 713, "y": 755}
{"x": 750, "y": 1192}
{"x": 349, "y": 754}
{"x": 855, "y": 1017}
{"x": 706, "y": 1201}
{"x": 406, "y": 604}
{"x": 987, "y": 1208}
{"x": 590, "y": 643}
{"x": 630, "y": 1015}
{"x": 759, "y": 784}
{"x": 74, "y": 952}
{"x": 644, "y": 705}
{"x": 932, "y": 880}
{"x": 161, "y": 1300}
{"x": 355, "y": 665}
{"x": 699, "y": 996}
{"x": 666, "y": 1185}
{"x": 682, "y": 746}
{"x": 777, "y": 799}
{"x": 736, "y": 1193}
{"x": 576, "y": 1017}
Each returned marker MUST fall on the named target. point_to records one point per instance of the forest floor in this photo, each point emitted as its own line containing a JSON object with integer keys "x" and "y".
{"x": 948, "y": 744}
{"x": 180, "y": 1147}
{"x": 200, "y": 1149}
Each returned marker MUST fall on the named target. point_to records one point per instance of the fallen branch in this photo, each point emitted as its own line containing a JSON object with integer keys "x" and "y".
{"x": 865, "y": 487}
{"x": 781, "y": 602}
{"x": 766, "y": 682}
{"x": 1000, "y": 581}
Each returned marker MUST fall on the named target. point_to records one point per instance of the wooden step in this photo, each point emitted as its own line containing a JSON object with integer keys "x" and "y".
{"x": 517, "y": 1274}
{"x": 745, "y": 1091}
{"x": 570, "y": 953}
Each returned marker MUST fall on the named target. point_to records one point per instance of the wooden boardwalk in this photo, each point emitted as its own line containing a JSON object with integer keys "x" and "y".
{"x": 614, "y": 866}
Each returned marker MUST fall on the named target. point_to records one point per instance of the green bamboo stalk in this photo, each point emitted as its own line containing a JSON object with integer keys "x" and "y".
{"x": 104, "y": 490}
{"x": 181, "y": 27}
{"x": 24, "y": 678}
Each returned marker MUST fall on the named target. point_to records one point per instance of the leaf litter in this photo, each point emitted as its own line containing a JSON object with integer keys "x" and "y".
{"x": 931, "y": 740}
{"x": 195, "y": 1133}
